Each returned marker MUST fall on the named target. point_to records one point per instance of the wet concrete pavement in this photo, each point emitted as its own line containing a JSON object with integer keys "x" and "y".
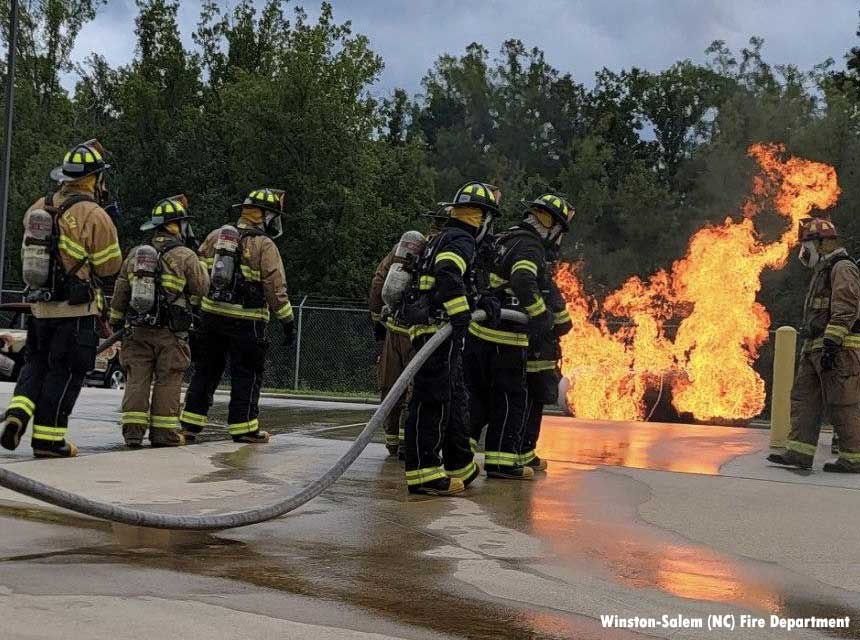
{"x": 633, "y": 520}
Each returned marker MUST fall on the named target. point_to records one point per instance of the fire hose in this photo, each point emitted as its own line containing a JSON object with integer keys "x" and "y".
{"x": 125, "y": 515}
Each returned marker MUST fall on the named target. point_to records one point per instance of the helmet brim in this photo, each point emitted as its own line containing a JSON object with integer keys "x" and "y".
{"x": 238, "y": 207}
{"x": 486, "y": 207}
{"x": 58, "y": 175}
{"x": 149, "y": 225}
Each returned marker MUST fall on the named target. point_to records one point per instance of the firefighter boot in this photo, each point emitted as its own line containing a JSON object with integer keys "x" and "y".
{"x": 63, "y": 449}
{"x": 14, "y": 426}
{"x": 440, "y": 487}
{"x": 789, "y": 459}
{"x": 133, "y": 435}
{"x": 254, "y": 437}
{"x": 840, "y": 465}
{"x": 537, "y": 463}
{"x": 169, "y": 438}
{"x": 510, "y": 473}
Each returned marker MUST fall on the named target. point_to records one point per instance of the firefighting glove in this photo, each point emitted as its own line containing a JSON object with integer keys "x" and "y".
{"x": 379, "y": 331}
{"x": 289, "y": 328}
{"x": 493, "y": 308}
{"x": 460, "y": 323}
{"x": 828, "y": 356}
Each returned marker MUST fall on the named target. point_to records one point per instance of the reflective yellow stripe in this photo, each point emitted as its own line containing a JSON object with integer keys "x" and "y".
{"x": 71, "y": 247}
{"x": 473, "y": 445}
{"x": 116, "y": 316}
{"x": 250, "y": 274}
{"x": 851, "y": 341}
{"x": 452, "y": 257}
{"x": 561, "y": 317}
{"x": 174, "y": 283}
{"x": 496, "y": 281}
{"x": 24, "y": 403}
{"x": 425, "y": 283}
{"x": 105, "y": 255}
{"x": 420, "y": 476}
{"x": 391, "y": 325}
{"x": 51, "y": 434}
{"x": 535, "y": 366}
{"x": 165, "y": 422}
{"x": 463, "y": 472}
{"x": 243, "y": 427}
{"x": 421, "y": 329}
{"x": 207, "y": 263}
{"x": 536, "y": 308}
{"x": 499, "y": 337}
{"x": 134, "y": 417}
{"x": 392, "y": 438}
{"x": 456, "y": 305}
{"x": 525, "y": 265}
{"x": 285, "y": 312}
{"x": 820, "y": 303}
{"x": 527, "y": 457}
{"x": 194, "y": 300}
{"x": 234, "y": 310}
{"x": 835, "y": 332}
{"x": 196, "y": 419}
{"x": 501, "y": 458}
{"x": 375, "y": 317}
{"x": 801, "y": 447}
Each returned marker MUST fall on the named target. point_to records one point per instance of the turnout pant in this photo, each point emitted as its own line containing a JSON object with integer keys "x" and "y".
{"x": 496, "y": 378}
{"x": 242, "y": 343}
{"x": 542, "y": 390}
{"x": 836, "y": 391}
{"x": 396, "y": 353}
{"x": 155, "y": 360}
{"x": 59, "y": 352}
{"x": 437, "y": 440}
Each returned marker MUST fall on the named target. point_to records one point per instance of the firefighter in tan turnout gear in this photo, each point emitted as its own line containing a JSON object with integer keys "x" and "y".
{"x": 828, "y": 376}
{"x": 152, "y": 300}
{"x": 70, "y": 244}
{"x": 247, "y": 285}
{"x": 397, "y": 348}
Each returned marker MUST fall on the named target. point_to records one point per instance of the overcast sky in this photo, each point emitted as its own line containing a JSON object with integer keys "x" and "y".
{"x": 579, "y": 36}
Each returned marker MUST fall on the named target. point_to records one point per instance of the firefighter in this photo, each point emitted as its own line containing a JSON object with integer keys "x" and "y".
{"x": 396, "y": 346}
{"x": 496, "y": 357}
{"x": 542, "y": 366}
{"x": 70, "y": 245}
{"x": 247, "y": 282}
{"x": 439, "y": 460}
{"x": 152, "y": 300}
{"x": 828, "y": 376}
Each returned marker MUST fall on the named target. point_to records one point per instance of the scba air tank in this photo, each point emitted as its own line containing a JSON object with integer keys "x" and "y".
{"x": 143, "y": 285}
{"x": 399, "y": 277}
{"x": 36, "y": 251}
{"x": 226, "y": 257}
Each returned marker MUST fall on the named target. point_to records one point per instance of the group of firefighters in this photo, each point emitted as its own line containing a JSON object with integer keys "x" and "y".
{"x": 497, "y": 373}
{"x": 176, "y": 303}
{"x": 172, "y": 301}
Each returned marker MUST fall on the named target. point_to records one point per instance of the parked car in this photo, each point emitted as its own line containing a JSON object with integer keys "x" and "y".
{"x": 108, "y": 372}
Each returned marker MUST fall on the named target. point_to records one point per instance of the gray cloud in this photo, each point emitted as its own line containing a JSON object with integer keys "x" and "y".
{"x": 579, "y": 36}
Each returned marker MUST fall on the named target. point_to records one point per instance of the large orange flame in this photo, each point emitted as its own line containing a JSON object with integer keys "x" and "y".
{"x": 710, "y": 294}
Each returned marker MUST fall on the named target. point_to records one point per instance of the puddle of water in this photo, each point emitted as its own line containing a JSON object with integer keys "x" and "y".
{"x": 664, "y": 447}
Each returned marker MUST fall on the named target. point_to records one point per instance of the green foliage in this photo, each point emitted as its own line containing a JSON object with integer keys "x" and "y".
{"x": 269, "y": 97}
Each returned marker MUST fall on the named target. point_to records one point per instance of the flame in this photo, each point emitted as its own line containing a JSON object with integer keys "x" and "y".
{"x": 629, "y": 347}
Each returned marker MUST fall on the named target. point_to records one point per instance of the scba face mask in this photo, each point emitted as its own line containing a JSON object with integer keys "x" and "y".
{"x": 809, "y": 256}
{"x": 486, "y": 228}
{"x": 274, "y": 225}
{"x": 187, "y": 234}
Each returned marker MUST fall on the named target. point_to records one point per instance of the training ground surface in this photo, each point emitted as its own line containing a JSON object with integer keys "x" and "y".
{"x": 631, "y": 519}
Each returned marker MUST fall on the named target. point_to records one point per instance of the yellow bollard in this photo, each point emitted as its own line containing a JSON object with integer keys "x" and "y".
{"x": 783, "y": 378}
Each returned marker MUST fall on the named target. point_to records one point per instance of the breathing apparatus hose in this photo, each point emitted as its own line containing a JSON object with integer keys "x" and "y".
{"x": 125, "y": 515}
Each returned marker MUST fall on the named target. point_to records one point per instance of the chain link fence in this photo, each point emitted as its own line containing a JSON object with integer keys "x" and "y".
{"x": 335, "y": 352}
